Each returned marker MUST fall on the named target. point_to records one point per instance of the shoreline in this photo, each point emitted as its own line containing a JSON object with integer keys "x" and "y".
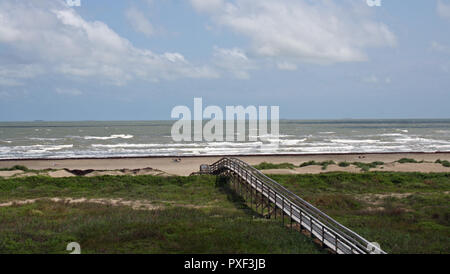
{"x": 226, "y": 155}
{"x": 190, "y": 164}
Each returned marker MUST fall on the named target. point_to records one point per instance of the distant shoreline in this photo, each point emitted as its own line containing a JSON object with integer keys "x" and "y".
{"x": 226, "y": 155}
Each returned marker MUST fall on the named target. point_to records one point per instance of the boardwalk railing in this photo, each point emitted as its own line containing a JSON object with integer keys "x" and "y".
{"x": 329, "y": 232}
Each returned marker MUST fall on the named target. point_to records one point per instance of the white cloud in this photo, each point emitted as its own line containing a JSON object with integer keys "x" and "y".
{"x": 373, "y": 79}
{"x": 438, "y": 47}
{"x": 302, "y": 31}
{"x": 234, "y": 61}
{"x": 286, "y": 66}
{"x": 53, "y": 37}
{"x": 68, "y": 91}
{"x": 207, "y": 5}
{"x": 443, "y": 9}
{"x": 139, "y": 22}
{"x": 14, "y": 75}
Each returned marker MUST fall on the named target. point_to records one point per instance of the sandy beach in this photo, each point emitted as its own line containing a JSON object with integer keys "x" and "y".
{"x": 187, "y": 165}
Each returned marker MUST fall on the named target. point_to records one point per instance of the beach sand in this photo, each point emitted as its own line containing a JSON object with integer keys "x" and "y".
{"x": 187, "y": 165}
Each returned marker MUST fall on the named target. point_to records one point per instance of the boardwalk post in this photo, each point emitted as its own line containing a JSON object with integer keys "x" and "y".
{"x": 336, "y": 242}
{"x": 262, "y": 200}
{"x": 300, "y": 220}
{"x": 290, "y": 209}
{"x": 275, "y": 207}
{"x": 251, "y": 194}
{"x": 323, "y": 235}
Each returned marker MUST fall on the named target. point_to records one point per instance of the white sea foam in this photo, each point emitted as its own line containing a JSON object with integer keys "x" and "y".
{"x": 114, "y": 136}
{"x": 125, "y": 145}
{"x": 46, "y": 147}
{"x": 287, "y": 142}
{"x": 30, "y": 151}
{"x": 266, "y": 136}
{"x": 45, "y": 139}
{"x": 351, "y": 141}
{"x": 391, "y": 134}
{"x": 421, "y": 140}
{"x": 233, "y": 144}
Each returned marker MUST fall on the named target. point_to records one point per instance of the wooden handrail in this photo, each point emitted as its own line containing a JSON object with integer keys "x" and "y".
{"x": 331, "y": 233}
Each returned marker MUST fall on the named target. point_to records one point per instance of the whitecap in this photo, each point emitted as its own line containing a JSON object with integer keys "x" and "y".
{"x": 351, "y": 141}
{"x": 114, "y": 136}
{"x": 391, "y": 134}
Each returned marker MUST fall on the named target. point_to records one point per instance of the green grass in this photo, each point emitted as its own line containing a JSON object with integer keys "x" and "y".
{"x": 16, "y": 167}
{"x": 212, "y": 220}
{"x": 200, "y": 214}
{"x": 193, "y": 190}
{"x": 265, "y": 165}
{"x": 367, "y": 166}
{"x": 418, "y": 223}
{"x": 46, "y": 227}
{"x": 444, "y": 163}
{"x": 324, "y": 164}
{"x": 344, "y": 164}
{"x": 408, "y": 161}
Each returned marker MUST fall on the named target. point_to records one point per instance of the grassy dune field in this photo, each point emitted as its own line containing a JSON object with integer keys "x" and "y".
{"x": 404, "y": 212}
{"x": 170, "y": 215}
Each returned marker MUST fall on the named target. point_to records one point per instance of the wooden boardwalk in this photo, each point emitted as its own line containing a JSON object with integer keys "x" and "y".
{"x": 275, "y": 200}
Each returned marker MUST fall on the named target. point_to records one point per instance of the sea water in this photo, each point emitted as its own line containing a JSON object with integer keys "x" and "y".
{"x": 152, "y": 138}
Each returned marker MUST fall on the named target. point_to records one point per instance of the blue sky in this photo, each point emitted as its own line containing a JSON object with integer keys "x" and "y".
{"x": 136, "y": 60}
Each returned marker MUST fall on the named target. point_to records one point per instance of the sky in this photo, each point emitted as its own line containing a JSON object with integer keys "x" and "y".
{"x": 137, "y": 59}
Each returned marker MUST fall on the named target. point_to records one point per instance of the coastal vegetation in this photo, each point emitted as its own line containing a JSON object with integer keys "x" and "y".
{"x": 16, "y": 167}
{"x": 324, "y": 164}
{"x": 265, "y": 165}
{"x": 409, "y": 161}
{"x": 362, "y": 165}
{"x": 444, "y": 163}
{"x": 367, "y": 166}
{"x": 187, "y": 215}
{"x": 404, "y": 212}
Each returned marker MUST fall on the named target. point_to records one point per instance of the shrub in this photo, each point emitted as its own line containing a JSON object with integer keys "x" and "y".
{"x": 324, "y": 164}
{"x": 16, "y": 167}
{"x": 444, "y": 163}
{"x": 368, "y": 166}
{"x": 265, "y": 165}
{"x": 408, "y": 160}
{"x": 310, "y": 163}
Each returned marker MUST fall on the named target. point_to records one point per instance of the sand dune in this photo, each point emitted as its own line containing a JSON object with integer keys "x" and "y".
{"x": 187, "y": 165}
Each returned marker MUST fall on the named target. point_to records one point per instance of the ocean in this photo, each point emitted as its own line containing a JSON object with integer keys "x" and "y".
{"x": 98, "y": 139}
